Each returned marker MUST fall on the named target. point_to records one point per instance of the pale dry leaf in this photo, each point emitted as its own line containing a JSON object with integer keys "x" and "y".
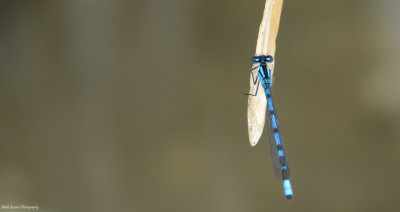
{"x": 265, "y": 46}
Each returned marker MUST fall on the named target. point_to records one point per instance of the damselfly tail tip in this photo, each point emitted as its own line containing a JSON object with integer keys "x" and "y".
{"x": 287, "y": 188}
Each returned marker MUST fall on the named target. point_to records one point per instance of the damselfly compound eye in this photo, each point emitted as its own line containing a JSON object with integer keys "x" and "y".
{"x": 256, "y": 59}
{"x": 269, "y": 59}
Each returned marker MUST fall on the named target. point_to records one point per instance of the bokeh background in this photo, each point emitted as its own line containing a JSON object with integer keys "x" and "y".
{"x": 139, "y": 106}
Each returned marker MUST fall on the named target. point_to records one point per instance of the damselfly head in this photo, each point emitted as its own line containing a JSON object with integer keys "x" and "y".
{"x": 262, "y": 58}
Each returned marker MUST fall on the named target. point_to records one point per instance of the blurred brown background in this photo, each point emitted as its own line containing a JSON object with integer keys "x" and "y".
{"x": 139, "y": 106}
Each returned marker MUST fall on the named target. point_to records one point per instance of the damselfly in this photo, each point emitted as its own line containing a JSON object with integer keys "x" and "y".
{"x": 261, "y": 74}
